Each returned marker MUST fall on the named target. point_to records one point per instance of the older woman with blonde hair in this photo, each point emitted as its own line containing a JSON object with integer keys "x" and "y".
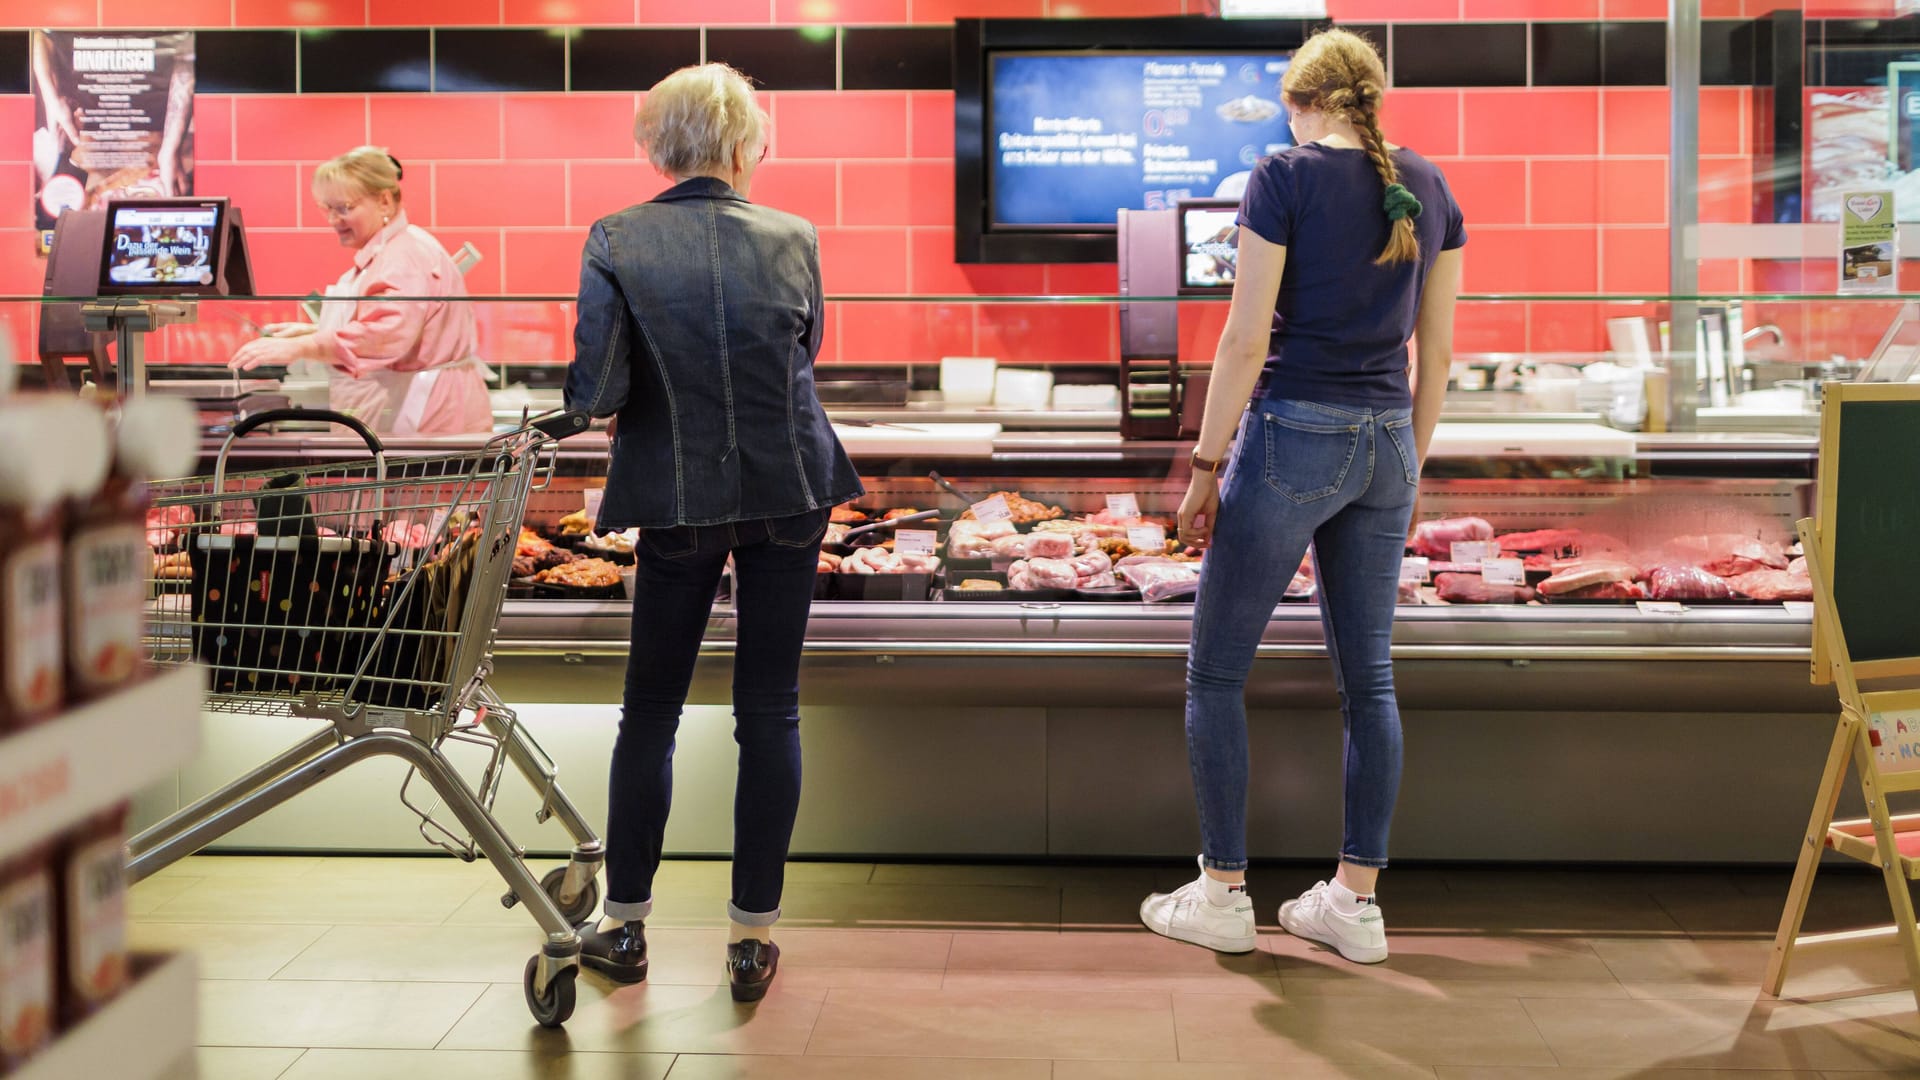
{"x": 700, "y": 317}
{"x": 403, "y": 364}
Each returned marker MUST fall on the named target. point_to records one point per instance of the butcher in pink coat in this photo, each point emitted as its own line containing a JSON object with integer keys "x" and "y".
{"x": 404, "y": 366}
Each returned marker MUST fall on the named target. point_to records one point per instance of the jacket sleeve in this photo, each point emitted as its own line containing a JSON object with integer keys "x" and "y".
{"x": 817, "y": 316}
{"x": 601, "y": 375}
{"x": 384, "y": 333}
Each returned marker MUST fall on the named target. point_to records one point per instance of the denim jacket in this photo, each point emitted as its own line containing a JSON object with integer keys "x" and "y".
{"x": 700, "y": 317}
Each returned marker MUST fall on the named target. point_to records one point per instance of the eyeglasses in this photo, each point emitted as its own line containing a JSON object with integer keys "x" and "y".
{"x": 340, "y": 210}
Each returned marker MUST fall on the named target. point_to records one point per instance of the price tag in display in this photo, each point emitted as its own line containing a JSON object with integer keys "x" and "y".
{"x": 914, "y": 541}
{"x": 1415, "y": 568}
{"x": 988, "y": 511}
{"x": 1147, "y": 538}
{"x": 1661, "y": 607}
{"x": 595, "y": 496}
{"x": 1124, "y": 507}
{"x": 1503, "y": 571}
{"x": 1474, "y": 551}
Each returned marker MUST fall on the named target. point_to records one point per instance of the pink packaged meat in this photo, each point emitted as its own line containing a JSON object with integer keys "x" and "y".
{"x": 1573, "y": 576}
{"x": 1039, "y": 545}
{"x": 1551, "y": 541}
{"x": 1160, "y": 579}
{"x": 1435, "y": 539}
{"x": 1773, "y": 585}
{"x": 1032, "y": 574}
{"x": 970, "y": 539}
{"x": 1608, "y": 590}
{"x": 1687, "y": 583}
{"x": 1473, "y": 589}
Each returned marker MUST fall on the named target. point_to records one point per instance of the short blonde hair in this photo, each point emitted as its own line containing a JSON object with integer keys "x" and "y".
{"x": 692, "y": 119}
{"x": 369, "y": 170}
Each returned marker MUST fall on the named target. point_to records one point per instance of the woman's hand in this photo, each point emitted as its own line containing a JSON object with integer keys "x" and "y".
{"x": 288, "y": 329}
{"x": 1199, "y": 509}
{"x": 275, "y": 352}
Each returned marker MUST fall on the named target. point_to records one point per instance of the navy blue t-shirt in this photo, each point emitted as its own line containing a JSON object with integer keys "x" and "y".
{"x": 1341, "y": 325}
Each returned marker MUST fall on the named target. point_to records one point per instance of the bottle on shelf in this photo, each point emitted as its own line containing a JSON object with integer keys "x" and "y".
{"x": 27, "y": 959}
{"x": 92, "y": 889}
{"x": 32, "y": 487}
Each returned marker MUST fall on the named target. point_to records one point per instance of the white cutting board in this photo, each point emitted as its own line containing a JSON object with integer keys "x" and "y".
{"x": 947, "y": 440}
{"x": 1530, "y": 440}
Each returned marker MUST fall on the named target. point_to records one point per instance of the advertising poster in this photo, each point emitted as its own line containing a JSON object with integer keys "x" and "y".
{"x": 113, "y": 115}
{"x": 1869, "y": 243}
{"x": 1079, "y": 136}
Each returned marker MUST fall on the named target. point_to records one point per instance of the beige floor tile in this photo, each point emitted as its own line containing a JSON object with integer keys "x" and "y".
{"x": 1624, "y": 1074}
{"x": 1126, "y": 951}
{"x": 1211, "y": 1070}
{"x": 1835, "y": 905}
{"x": 148, "y": 895}
{"x": 388, "y": 1016}
{"x": 227, "y": 950}
{"x": 248, "y": 866}
{"x": 1420, "y": 1032}
{"x": 447, "y": 954}
{"x": 1451, "y": 957}
{"x": 1833, "y": 1074}
{"x": 1733, "y": 969}
{"x": 648, "y": 1018}
{"x": 716, "y": 875}
{"x": 995, "y": 1024}
{"x": 820, "y": 958}
{"x": 929, "y": 907}
{"x": 1125, "y": 879}
{"x": 706, "y": 1067}
{"x": 244, "y": 1062}
{"x": 1074, "y": 982}
{"x": 1571, "y": 915}
{"x": 315, "y": 900}
{"x": 1866, "y": 1034}
{"x": 1383, "y": 982}
{"x": 1560, "y": 883}
{"x": 475, "y": 1065}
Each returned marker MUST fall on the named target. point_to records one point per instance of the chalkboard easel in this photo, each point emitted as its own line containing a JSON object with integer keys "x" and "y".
{"x": 1866, "y": 626}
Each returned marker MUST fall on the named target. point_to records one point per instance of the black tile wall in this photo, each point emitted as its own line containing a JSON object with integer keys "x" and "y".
{"x": 800, "y": 58}
{"x": 1441, "y": 54}
{"x": 1376, "y": 33}
{"x": 13, "y": 62}
{"x": 1903, "y": 31}
{"x": 896, "y": 58}
{"x": 1856, "y": 65}
{"x": 1727, "y": 48}
{"x": 627, "y": 59}
{"x": 362, "y": 61}
{"x": 1600, "y": 54}
{"x": 245, "y": 61}
{"x": 498, "y": 60}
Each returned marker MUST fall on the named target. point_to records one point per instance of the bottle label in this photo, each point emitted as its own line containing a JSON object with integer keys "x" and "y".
{"x": 31, "y": 579}
{"x": 97, "y": 920}
{"x": 108, "y": 567}
{"x": 26, "y": 966}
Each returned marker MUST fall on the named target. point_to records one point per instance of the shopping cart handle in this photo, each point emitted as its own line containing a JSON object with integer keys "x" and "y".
{"x": 560, "y": 425}
{"x": 325, "y": 416}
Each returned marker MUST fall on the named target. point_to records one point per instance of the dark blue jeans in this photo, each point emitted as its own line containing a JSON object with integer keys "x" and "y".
{"x": 1343, "y": 479}
{"x": 773, "y": 565}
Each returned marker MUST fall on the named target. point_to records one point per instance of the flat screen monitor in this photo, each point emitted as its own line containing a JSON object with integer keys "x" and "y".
{"x": 1078, "y": 136}
{"x": 1209, "y": 245}
{"x": 164, "y": 247}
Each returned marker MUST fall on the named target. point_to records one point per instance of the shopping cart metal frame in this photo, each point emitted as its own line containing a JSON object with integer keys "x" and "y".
{"x": 492, "y": 484}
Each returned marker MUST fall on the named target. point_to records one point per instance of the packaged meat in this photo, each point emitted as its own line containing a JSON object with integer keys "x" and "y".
{"x": 1042, "y": 573}
{"x": 970, "y": 539}
{"x": 1409, "y": 592}
{"x": 1047, "y": 545}
{"x": 1570, "y": 577}
{"x": 1606, "y": 590}
{"x": 1745, "y": 556}
{"x": 1473, "y": 589}
{"x": 1435, "y": 539}
{"x": 1551, "y": 541}
{"x": 877, "y": 560}
{"x": 828, "y": 563}
{"x": 1092, "y": 564}
{"x": 1105, "y": 580}
{"x": 1772, "y": 585}
{"x": 1687, "y": 583}
{"x": 1160, "y": 579}
{"x": 165, "y": 525}
{"x": 1798, "y": 567}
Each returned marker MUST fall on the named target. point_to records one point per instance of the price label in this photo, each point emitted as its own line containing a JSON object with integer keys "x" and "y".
{"x": 1415, "y": 568}
{"x": 914, "y": 541}
{"x": 1147, "y": 538}
{"x": 1799, "y": 609}
{"x": 1661, "y": 607}
{"x": 1503, "y": 571}
{"x": 988, "y": 511}
{"x": 1474, "y": 551}
{"x": 1124, "y": 507}
{"x": 595, "y": 496}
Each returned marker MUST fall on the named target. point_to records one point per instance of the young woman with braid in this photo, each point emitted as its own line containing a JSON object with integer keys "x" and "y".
{"x": 1348, "y": 247}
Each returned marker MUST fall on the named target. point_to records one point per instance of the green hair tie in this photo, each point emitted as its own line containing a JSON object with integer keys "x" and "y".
{"x": 1401, "y": 203}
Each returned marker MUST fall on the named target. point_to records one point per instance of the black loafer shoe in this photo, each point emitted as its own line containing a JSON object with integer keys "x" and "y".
{"x": 750, "y": 968}
{"x": 619, "y": 954}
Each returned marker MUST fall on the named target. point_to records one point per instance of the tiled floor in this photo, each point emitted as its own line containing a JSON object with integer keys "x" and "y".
{"x": 407, "y": 969}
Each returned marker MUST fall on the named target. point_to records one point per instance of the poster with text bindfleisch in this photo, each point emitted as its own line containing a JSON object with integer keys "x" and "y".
{"x": 113, "y": 117}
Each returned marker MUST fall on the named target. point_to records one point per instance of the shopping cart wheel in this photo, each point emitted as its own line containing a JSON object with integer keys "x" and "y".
{"x": 553, "y": 1008}
{"x": 583, "y": 906}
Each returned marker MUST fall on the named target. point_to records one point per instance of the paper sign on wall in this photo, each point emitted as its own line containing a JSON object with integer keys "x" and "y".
{"x": 1896, "y": 740}
{"x": 1869, "y": 243}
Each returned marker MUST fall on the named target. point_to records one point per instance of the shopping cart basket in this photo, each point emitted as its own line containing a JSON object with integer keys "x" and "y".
{"x": 366, "y": 594}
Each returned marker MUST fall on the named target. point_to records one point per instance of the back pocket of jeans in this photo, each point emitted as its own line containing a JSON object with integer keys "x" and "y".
{"x": 677, "y": 542}
{"x": 798, "y": 531}
{"x": 1400, "y": 433}
{"x": 1308, "y": 459}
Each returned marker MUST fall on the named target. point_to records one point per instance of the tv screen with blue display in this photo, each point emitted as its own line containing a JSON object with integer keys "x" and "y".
{"x": 1076, "y": 137}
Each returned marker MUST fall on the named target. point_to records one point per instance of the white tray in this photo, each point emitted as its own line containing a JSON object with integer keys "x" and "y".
{"x": 1538, "y": 440}
{"x": 144, "y": 1033}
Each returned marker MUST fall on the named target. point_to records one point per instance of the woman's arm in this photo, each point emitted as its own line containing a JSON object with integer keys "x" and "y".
{"x": 1236, "y": 368}
{"x": 1433, "y": 346}
{"x": 601, "y": 374}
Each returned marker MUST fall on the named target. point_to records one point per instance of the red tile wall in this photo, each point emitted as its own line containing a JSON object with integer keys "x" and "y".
{"x": 1563, "y": 189}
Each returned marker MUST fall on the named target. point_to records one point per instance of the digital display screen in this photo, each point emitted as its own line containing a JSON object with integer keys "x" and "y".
{"x": 1209, "y": 246}
{"x": 1078, "y": 136}
{"x": 161, "y": 246}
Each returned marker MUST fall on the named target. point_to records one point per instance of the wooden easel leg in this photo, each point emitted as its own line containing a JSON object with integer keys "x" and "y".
{"x": 1891, "y": 867}
{"x": 1814, "y": 844}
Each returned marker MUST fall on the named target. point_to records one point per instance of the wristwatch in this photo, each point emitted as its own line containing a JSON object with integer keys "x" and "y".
{"x": 1201, "y": 464}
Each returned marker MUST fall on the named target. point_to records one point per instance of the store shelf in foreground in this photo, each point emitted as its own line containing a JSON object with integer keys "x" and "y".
{"x": 146, "y": 1032}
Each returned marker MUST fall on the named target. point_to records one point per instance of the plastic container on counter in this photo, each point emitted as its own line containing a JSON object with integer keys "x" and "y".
{"x": 91, "y": 875}
{"x": 31, "y": 665}
{"x": 28, "y": 959}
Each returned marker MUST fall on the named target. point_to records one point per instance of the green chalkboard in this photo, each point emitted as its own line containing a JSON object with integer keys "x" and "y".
{"x": 1876, "y": 523}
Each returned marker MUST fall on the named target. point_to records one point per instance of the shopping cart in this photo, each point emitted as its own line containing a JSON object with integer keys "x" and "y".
{"x": 366, "y": 594}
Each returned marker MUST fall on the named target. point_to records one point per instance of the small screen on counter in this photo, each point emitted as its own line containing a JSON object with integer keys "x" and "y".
{"x": 162, "y": 246}
{"x": 1076, "y": 137}
{"x": 1209, "y": 246}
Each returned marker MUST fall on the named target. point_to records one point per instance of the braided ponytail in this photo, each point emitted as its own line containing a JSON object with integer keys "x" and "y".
{"x": 1340, "y": 74}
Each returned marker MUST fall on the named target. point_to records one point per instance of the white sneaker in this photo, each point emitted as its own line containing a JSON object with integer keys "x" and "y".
{"x": 1361, "y": 938}
{"x": 1187, "y": 915}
